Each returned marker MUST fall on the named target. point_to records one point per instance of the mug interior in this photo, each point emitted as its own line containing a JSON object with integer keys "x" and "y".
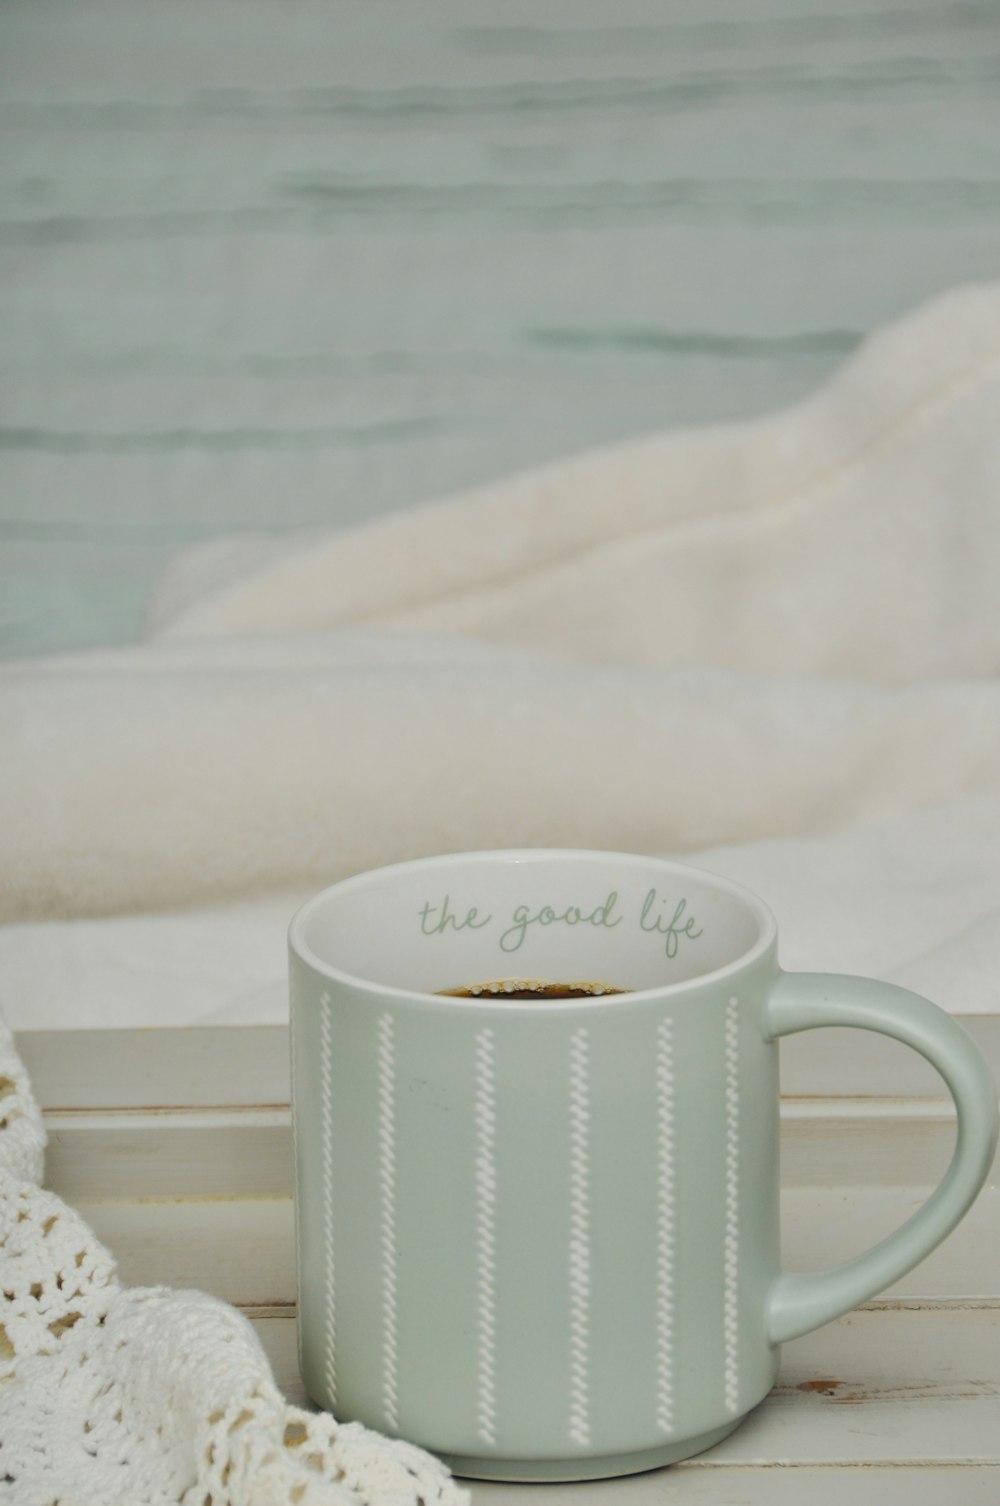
{"x": 556, "y": 915}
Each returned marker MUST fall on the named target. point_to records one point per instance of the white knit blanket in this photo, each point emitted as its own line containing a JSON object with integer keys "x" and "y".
{"x": 774, "y": 647}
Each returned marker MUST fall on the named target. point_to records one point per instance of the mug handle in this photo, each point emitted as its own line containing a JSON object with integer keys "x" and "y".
{"x": 799, "y": 1302}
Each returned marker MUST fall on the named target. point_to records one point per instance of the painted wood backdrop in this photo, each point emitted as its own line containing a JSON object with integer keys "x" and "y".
{"x": 268, "y": 264}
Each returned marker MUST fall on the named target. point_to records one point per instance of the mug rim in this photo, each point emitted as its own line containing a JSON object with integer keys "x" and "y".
{"x": 766, "y": 939}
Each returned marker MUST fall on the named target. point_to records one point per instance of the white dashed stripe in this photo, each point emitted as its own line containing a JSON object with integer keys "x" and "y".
{"x": 731, "y": 1248}
{"x": 579, "y": 1244}
{"x": 486, "y": 1196}
{"x": 329, "y": 1274}
{"x": 387, "y": 1179}
{"x": 665, "y": 1226}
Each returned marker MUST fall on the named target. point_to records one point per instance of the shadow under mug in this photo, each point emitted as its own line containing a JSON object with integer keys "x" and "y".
{"x": 541, "y": 1238}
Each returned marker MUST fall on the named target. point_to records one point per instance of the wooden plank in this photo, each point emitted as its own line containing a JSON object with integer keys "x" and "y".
{"x": 242, "y": 1249}
{"x": 239, "y": 1249}
{"x": 206, "y": 1066}
{"x": 865, "y": 1142}
{"x": 860, "y": 1064}
{"x": 881, "y": 1387}
{"x": 821, "y": 1227}
{"x": 63, "y": 55}
{"x": 171, "y": 1153}
{"x": 247, "y": 1152}
{"x": 198, "y": 1067}
{"x": 928, "y": 1484}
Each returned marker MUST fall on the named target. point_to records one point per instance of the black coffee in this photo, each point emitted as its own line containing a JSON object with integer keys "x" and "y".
{"x": 531, "y": 988}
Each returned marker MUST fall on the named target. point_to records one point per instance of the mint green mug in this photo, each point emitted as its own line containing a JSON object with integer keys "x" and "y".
{"x": 539, "y": 1236}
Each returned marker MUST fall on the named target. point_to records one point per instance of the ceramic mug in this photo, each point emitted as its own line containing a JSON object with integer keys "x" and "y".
{"x": 540, "y": 1237}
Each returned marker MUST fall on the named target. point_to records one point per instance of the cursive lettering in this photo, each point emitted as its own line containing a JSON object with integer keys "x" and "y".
{"x": 470, "y": 921}
{"x": 672, "y": 930}
{"x": 600, "y": 915}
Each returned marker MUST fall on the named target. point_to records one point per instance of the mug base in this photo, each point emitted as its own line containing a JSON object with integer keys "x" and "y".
{"x": 595, "y": 1467}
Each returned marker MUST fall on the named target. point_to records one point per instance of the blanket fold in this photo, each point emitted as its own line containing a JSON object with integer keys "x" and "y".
{"x": 854, "y": 534}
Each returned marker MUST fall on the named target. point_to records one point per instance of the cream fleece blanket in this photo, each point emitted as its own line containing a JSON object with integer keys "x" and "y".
{"x": 773, "y": 646}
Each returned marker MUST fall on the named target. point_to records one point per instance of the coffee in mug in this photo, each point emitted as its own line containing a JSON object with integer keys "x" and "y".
{"x": 530, "y": 988}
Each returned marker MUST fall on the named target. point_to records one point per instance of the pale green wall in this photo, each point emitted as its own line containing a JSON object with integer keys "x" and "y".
{"x": 267, "y": 265}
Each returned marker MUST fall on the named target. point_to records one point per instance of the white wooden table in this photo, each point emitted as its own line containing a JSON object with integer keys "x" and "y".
{"x": 176, "y": 1145}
